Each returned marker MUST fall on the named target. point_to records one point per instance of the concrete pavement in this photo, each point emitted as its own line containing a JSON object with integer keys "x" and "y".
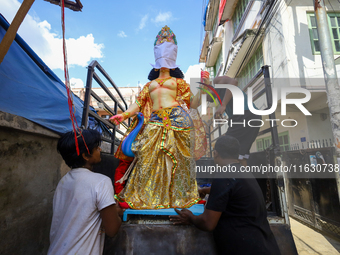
{"x": 308, "y": 241}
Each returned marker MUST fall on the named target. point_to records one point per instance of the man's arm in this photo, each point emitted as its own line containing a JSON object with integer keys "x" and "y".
{"x": 111, "y": 220}
{"x": 218, "y": 200}
{"x": 228, "y": 95}
{"x": 207, "y": 221}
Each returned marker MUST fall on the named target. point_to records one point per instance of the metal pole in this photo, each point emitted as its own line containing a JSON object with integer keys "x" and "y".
{"x": 87, "y": 99}
{"x": 269, "y": 97}
{"x": 210, "y": 141}
{"x": 331, "y": 78}
{"x": 274, "y": 135}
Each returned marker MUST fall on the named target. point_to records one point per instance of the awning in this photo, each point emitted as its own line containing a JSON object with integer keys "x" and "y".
{"x": 221, "y": 10}
{"x": 238, "y": 52}
{"x": 210, "y": 17}
{"x": 337, "y": 61}
{"x": 227, "y": 11}
{"x": 214, "y": 50}
{"x": 204, "y": 50}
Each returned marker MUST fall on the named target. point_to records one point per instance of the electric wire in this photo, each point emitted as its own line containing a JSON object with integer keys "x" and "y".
{"x": 331, "y": 5}
{"x": 201, "y": 28}
{"x": 272, "y": 7}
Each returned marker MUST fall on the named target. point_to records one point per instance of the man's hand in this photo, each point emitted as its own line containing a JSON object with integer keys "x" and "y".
{"x": 206, "y": 221}
{"x": 219, "y": 112}
{"x": 117, "y": 119}
{"x": 184, "y": 217}
{"x": 120, "y": 211}
{"x": 203, "y": 192}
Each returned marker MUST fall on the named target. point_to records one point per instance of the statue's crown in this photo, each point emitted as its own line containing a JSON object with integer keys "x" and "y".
{"x": 165, "y": 35}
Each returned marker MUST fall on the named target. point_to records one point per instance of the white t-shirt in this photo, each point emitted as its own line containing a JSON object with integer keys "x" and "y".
{"x": 76, "y": 222}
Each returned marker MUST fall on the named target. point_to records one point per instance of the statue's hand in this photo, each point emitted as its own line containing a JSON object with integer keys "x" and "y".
{"x": 205, "y": 77}
{"x": 117, "y": 119}
{"x": 206, "y": 81}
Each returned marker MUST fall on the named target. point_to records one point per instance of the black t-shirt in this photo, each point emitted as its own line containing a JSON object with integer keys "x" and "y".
{"x": 243, "y": 227}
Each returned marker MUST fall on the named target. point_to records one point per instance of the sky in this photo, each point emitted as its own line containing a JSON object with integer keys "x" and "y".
{"x": 120, "y": 35}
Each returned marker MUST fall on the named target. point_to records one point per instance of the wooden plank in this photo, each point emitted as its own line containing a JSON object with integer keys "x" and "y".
{"x": 13, "y": 28}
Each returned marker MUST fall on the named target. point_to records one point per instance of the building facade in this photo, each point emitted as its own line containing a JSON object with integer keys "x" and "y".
{"x": 244, "y": 35}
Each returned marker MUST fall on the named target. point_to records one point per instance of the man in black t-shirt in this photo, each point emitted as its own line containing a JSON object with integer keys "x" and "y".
{"x": 235, "y": 210}
{"x": 244, "y": 128}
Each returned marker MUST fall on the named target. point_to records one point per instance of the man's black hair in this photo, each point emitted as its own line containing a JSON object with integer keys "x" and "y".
{"x": 177, "y": 73}
{"x": 228, "y": 147}
{"x": 67, "y": 146}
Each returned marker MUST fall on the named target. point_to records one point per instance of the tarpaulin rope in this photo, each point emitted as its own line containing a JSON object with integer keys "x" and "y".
{"x": 75, "y": 126}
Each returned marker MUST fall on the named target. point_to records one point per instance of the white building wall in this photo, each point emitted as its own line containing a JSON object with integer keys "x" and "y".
{"x": 319, "y": 128}
{"x": 288, "y": 43}
{"x": 274, "y": 48}
{"x": 287, "y": 49}
{"x": 295, "y": 133}
{"x": 228, "y": 35}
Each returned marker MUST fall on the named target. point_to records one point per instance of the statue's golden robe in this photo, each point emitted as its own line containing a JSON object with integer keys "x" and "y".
{"x": 164, "y": 175}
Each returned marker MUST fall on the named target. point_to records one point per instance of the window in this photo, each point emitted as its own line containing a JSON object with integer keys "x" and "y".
{"x": 215, "y": 26}
{"x": 334, "y": 27}
{"x": 284, "y": 141}
{"x": 264, "y": 143}
{"x": 252, "y": 67}
{"x": 211, "y": 71}
{"x": 218, "y": 63}
{"x": 259, "y": 145}
{"x": 238, "y": 13}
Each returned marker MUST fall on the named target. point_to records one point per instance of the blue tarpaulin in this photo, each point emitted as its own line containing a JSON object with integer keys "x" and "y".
{"x": 205, "y": 14}
{"x": 28, "y": 88}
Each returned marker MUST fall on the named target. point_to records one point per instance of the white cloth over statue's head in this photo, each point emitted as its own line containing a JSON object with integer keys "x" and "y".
{"x": 165, "y": 49}
{"x": 165, "y": 55}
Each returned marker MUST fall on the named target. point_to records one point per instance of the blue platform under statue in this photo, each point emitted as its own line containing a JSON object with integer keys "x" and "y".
{"x": 195, "y": 209}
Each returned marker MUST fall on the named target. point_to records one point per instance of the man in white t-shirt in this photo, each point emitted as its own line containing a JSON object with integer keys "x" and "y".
{"x": 84, "y": 208}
